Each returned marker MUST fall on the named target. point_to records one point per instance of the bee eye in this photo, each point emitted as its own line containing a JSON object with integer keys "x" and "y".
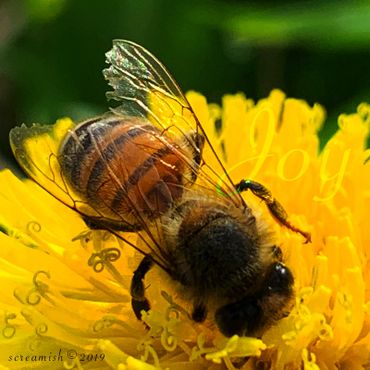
{"x": 280, "y": 278}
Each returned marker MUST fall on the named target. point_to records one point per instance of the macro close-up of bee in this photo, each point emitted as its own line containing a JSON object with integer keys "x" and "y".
{"x": 141, "y": 168}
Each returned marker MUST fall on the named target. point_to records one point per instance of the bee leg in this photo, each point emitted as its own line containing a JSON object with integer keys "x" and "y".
{"x": 138, "y": 300}
{"x": 96, "y": 223}
{"x": 275, "y": 208}
{"x": 199, "y": 312}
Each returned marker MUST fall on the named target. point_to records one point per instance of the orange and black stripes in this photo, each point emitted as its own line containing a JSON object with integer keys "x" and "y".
{"x": 114, "y": 151}
{"x": 167, "y": 173}
{"x": 121, "y": 165}
{"x": 77, "y": 150}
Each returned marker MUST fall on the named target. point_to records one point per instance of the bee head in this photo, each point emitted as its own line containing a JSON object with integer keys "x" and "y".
{"x": 252, "y": 313}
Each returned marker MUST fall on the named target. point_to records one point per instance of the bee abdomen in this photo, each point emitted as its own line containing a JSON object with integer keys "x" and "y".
{"x": 159, "y": 185}
{"x": 122, "y": 166}
{"x": 79, "y": 151}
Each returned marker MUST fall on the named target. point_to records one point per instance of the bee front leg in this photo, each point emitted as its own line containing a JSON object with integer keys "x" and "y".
{"x": 275, "y": 208}
{"x": 138, "y": 300}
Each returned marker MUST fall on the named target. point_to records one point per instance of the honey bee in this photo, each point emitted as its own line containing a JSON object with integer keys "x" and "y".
{"x": 141, "y": 168}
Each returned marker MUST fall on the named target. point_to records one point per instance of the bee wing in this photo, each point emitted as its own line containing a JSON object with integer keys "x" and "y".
{"x": 36, "y": 149}
{"x": 143, "y": 87}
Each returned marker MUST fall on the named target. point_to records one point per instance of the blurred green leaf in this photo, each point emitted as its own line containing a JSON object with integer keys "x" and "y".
{"x": 333, "y": 25}
{"x": 44, "y": 10}
{"x": 52, "y": 52}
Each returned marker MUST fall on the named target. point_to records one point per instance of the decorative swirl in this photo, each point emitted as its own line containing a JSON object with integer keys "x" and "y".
{"x": 98, "y": 260}
{"x": 149, "y": 350}
{"x": 99, "y": 239}
{"x": 33, "y": 297}
{"x": 73, "y": 364}
{"x": 174, "y": 307}
{"x": 104, "y": 323}
{"x": 95, "y": 236}
{"x": 9, "y": 329}
{"x": 172, "y": 313}
{"x": 39, "y": 289}
{"x": 34, "y": 344}
{"x": 198, "y": 350}
{"x": 41, "y": 329}
{"x": 163, "y": 329}
{"x": 33, "y": 227}
{"x": 36, "y": 341}
{"x": 84, "y": 238}
{"x": 168, "y": 340}
{"x": 39, "y": 284}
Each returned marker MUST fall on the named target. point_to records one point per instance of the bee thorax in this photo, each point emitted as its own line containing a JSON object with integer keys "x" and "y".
{"x": 217, "y": 252}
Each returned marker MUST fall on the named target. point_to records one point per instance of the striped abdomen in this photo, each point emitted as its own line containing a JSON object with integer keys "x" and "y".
{"x": 122, "y": 167}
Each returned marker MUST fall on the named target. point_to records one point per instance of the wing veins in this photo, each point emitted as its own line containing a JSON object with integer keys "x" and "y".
{"x": 137, "y": 49}
{"x": 137, "y": 214}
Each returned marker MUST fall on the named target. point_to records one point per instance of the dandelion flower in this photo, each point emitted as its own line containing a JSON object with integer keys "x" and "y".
{"x": 65, "y": 299}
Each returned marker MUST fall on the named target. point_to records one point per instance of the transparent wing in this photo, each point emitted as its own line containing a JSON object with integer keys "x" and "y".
{"x": 37, "y": 149}
{"x": 145, "y": 92}
{"x": 143, "y": 87}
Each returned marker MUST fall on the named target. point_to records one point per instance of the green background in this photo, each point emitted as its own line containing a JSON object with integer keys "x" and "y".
{"x": 52, "y": 52}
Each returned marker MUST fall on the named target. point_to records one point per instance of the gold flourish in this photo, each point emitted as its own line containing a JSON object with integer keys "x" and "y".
{"x": 199, "y": 350}
{"x": 168, "y": 340}
{"x": 150, "y": 351}
{"x": 9, "y": 329}
{"x": 104, "y": 323}
{"x": 33, "y": 227}
{"x": 174, "y": 307}
{"x": 73, "y": 364}
{"x": 41, "y": 329}
{"x": 84, "y": 238}
{"x": 39, "y": 290}
{"x": 98, "y": 260}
